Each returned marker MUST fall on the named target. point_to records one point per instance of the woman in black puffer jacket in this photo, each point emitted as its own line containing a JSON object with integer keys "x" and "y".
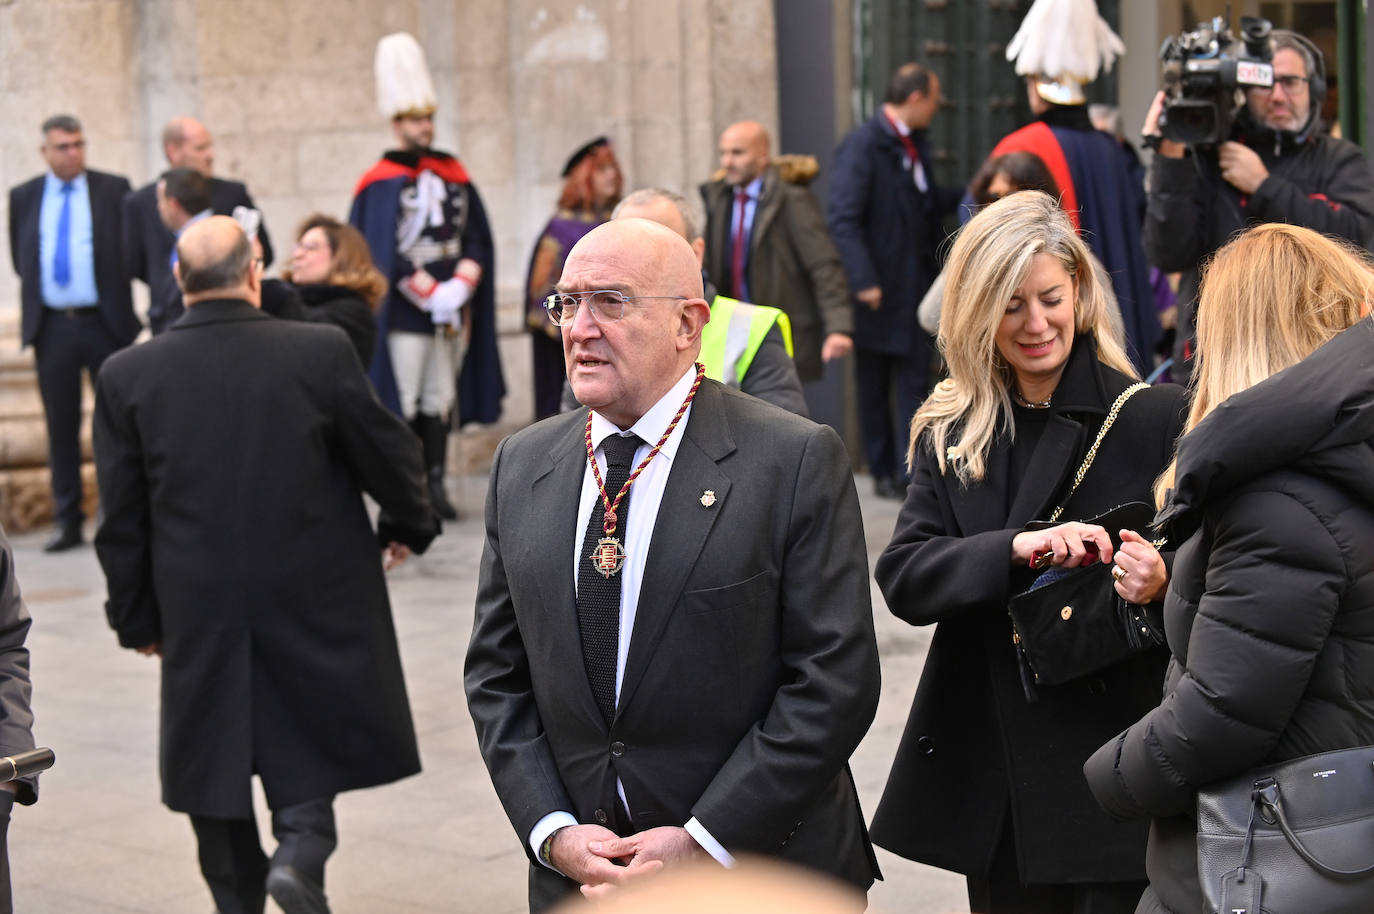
{"x": 1270, "y": 608}
{"x": 331, "y": 269}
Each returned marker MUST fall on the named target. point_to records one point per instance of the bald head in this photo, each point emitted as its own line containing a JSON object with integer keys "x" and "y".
{"x": 652, "y": 258}
{"x": 215, "y": 260}
{"x": 744, "y": 151}
{"x": 623, "y": 356}
{"x": 187, "y": 144}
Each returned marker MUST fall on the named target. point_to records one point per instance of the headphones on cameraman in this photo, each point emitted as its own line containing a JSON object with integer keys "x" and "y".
{"x": 1316, "y": 80}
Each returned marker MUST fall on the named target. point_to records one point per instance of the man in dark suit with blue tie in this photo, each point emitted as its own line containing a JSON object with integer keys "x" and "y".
{"x": 687, "y": 678}
{"x": 65, "y": 241}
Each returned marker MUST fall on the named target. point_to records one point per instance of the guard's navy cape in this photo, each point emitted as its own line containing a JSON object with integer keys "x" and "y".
{"x": 481, "y": 385}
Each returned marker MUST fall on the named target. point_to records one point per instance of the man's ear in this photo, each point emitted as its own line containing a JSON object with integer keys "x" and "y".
{"x": 699, "y": 248}
{"x": 696, "y": 313}
{"x": 176, "y": 272}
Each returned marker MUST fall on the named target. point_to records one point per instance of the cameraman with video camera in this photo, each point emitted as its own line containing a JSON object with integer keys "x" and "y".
{"x": 1276, "y": 165}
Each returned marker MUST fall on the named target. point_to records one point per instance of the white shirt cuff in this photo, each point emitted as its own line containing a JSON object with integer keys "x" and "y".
{"x": 708, "y": 843}
{"x": 545, "y": 827}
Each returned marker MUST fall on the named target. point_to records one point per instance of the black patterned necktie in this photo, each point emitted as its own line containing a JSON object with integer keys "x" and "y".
{"x": 598, "y": 596}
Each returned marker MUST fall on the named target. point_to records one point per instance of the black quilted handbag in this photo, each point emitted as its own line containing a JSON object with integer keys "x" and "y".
{"x": 1291, "y": 838}
{"x": 1071, "y": 621}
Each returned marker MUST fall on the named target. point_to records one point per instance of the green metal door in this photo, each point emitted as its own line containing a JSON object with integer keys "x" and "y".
{"x": 964, "y": 41}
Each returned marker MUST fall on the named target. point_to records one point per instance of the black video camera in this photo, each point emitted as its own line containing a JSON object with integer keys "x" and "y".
{"x": 1202, "y": 71}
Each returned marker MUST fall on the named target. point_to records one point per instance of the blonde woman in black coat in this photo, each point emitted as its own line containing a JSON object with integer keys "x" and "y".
{"x": 987, "y": 782}
{"x": 1270, "y": 611}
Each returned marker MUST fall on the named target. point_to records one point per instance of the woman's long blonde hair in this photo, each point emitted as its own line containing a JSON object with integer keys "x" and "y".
{"x": 989, "y": 261}
{"x": 1268, "y": 300}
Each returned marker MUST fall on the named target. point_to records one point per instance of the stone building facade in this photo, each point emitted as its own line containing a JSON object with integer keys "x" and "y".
{"x": 286, "y": 88}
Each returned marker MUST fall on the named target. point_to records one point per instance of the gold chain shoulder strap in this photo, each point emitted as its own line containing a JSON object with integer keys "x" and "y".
{"x": 1101, "y": 433}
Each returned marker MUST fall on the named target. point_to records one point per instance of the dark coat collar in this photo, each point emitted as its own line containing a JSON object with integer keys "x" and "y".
{"x": 917, "y": 134}
{"x": 1070, "y": 117}
{"x": 1086, "y": 389}
{"x": 322, "y": 293}
{"x": 219, "y": 310}
{"x": 1087, "y": 385}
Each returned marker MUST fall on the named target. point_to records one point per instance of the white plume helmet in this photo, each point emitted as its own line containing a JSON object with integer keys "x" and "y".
{"x": 404, "y": 86}
{"x": 1064, "y": 44}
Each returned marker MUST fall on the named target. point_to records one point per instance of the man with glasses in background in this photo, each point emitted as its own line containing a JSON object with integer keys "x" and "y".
{"x": 672, "y": 654}
{"x": 66, "y": 239}
{"x": 1279, "y": 166}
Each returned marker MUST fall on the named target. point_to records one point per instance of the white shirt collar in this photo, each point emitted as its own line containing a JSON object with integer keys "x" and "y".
{"x": 897, "y": 124}
{"x": 55, "y": 183}
{"x": 654, "y": 422}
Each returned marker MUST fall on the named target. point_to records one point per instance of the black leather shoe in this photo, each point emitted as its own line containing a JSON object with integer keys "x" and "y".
{"x": 295, "y": 892}
{"x": 438, "y": 498}
{"x": 884, "y": 487}
{"x": 68, "y": 537}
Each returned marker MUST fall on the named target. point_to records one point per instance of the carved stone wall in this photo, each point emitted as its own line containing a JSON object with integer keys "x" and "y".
{"x": 287, "y": 91}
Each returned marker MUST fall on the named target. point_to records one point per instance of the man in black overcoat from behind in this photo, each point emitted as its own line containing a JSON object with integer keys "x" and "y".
{"x": 232, "y": 453}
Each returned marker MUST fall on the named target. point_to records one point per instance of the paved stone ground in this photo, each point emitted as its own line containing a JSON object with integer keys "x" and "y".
{"x": 101, "y": 841}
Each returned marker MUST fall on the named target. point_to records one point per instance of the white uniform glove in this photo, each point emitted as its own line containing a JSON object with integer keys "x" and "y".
{"x": 446, "y": 302}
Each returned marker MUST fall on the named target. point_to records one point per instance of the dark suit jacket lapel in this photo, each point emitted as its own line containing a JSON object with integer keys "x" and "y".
{"x": 557, "y": 491}
{"x": 1049, "y": 473}
{"x": 982, "y": 506}
{"x": 680, "y": 531}
{"x": 718, "y": 197}
{"x": 893, "y": 148}
{"x": 770, "y": 203}
{"x": 105, "y": 230}
{"x": 32, "y": 216}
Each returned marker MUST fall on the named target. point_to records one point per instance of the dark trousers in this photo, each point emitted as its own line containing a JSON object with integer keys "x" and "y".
{"x": 890, "y": 388}
{"x": 1000, "y": 891}
{"x": 234, "y": 866}
{"x": 550, "y": 371}
{"x": 67, "y": 342}
{"x": 6, "y": 806}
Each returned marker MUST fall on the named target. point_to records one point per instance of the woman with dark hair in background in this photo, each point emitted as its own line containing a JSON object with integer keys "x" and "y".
{"x": 987, "y": 778}
{"x": 999, "y": 176}
{"x": 1270, "y": 503}
{"x": 592, "y": 186}
{"x": 1008, "y": 173}
{"x": 331, "y": 269}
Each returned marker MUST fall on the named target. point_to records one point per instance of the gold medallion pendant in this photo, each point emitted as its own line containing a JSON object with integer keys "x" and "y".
{"x": 608, "y": 556}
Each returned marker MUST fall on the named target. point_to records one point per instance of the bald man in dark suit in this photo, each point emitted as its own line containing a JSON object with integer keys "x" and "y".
{"x": 683, "y": 675}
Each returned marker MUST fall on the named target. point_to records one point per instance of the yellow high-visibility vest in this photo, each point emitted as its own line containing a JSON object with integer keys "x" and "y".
{"x": 732, "y": 337}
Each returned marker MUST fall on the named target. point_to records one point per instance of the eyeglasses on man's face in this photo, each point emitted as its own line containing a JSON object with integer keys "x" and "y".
{"x": 1291, "y": 83}
{"x": 607, "y": 305}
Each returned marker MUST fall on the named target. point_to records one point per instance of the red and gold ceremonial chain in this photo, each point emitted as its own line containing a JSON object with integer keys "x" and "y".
{"x": 610, "y": 519}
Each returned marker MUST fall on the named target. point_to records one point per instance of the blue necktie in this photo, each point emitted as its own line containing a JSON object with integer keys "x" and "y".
{"x": 62, "y": 257}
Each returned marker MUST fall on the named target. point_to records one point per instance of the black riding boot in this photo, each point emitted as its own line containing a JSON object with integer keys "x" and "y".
{"x": 433, "y": 433}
